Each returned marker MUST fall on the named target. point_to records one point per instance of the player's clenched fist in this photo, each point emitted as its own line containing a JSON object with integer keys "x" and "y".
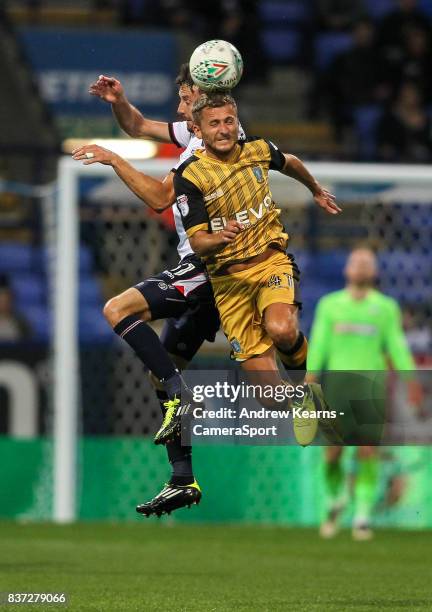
{"x": 107, "y": 88}
{"x": 231, "y": 230}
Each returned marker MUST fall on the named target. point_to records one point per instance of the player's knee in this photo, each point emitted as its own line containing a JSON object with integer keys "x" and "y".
{"x": 282, "y": 332}
{"x": 114, "y": 311}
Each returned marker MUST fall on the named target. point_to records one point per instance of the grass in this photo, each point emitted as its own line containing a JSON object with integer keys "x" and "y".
{"x": 150, "y": 566}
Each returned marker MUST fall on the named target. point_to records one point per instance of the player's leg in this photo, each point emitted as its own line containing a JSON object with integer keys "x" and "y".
{"x": 281, "y": 323}
{"x": 281, "y": 319}
{"x": 335, "y": 486}
{"x": 182, "y": 338}
{"x": 242, "y": 299}
{"x": 128, "y": 314}
{"x": 190, "y": 279}
{"x": 263, "y": 370}
{"x": 365, "y": 491}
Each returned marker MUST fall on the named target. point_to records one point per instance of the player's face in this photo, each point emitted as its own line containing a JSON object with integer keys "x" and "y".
{"x": 187, "y": 96}
{"x": 361, "y": 267}
{"x": 219, "y": 129}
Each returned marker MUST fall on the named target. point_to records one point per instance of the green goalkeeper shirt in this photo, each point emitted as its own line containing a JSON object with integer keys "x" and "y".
{"x": 349, "y": 334}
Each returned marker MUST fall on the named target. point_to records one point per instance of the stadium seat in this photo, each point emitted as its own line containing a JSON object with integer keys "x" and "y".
{"x": 281, "y": 46}
{"x": 93, "y": 326}
{"x": 28, "y": 289}
{"x": 302, "y": 258}
{"x": 89, "y": 291}
{"x": 290, "y": 12}
{"x": 85, "y": 258}
{"x": 40, "y": 321}
{"x": 366, "y": 120}
{"x": 376, "y": 9}
{"x": 426, "y": 7}
{"x": 329, "y": 265}
{"x": 330, "y": 45}
{"x": 16, "y": 257}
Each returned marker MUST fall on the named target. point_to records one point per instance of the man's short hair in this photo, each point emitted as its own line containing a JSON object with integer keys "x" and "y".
{"x": 211, "y": 100}
{"x": 184, "y": 77}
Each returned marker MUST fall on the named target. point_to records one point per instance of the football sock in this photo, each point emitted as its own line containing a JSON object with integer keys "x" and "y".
{"x": 334, "y": 480}
{"x": 146, "y": 344}
{"x": 294, "y": 359}
{"x": 180, "y": 457}
{"x": 365, "y": 489}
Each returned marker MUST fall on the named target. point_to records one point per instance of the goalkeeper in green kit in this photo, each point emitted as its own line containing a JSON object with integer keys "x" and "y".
{"x": 357, "y": 329}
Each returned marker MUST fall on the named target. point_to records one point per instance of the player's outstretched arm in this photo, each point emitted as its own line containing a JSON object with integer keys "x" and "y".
{"x": 157, "y": 194}
{"x": 205, "y": 244}
{"x": 296, "y": 169}
{"x": 128, "y": 117}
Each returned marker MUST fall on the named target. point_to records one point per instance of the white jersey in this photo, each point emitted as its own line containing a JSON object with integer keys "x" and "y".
{"x": 181, "y": 136}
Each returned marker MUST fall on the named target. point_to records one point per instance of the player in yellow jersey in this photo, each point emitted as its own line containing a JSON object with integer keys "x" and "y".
{"x": 233, "y": 223}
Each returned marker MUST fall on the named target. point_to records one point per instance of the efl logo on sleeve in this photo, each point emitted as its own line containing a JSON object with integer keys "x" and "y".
{"x": 183, "y": 205}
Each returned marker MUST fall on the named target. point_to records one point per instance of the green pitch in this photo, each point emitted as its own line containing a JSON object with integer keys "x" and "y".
{"x": 152, "y": 566}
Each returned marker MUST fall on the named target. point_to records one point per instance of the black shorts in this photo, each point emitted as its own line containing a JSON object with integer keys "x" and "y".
{"x": 183, "y": 291}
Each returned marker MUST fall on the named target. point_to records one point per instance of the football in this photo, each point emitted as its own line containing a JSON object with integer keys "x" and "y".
{"x": 216, "y": 65}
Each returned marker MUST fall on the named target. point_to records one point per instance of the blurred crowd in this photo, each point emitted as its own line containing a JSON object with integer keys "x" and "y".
{"x": 368, "y": 60}
{"x": 381, "y": 85}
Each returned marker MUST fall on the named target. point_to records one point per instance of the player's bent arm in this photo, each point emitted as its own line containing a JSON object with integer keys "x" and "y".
{"x": 157, "y": 194}
{"x": 296, "y": 169}
{"x": 401, "y": 356}
{"x": 395, "y": 340}
{"x": 129, "y": 118}
{"x": 206, "y": 244}
{"x": 136, "y": 125}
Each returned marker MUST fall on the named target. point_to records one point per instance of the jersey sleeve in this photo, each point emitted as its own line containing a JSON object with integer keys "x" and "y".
{"x": 190, "y": 202}
{"x": 395, "y": 341}
{"x": 277, "y": 158}
{"x": 179, "y": 133}
{"x": 319, "y": 338}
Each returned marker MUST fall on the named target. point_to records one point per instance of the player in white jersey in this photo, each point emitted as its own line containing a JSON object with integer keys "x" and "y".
{"x": 182, "y": 295}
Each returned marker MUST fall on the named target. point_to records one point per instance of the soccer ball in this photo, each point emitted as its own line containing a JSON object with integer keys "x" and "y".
{"x": 216, "y": 65}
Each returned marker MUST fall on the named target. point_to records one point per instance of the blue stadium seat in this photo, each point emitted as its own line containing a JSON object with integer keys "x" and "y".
{"x": 403, "y": 262}
{"x": 89, "y": 291}
{"x": 376, "y": 9}
{"x": 281, "y": 46}
{"x": 417, "y": 216}
{"x": 426, "y": 7}
{"x": 29, "y": 289}
{"x": 286, "y": 12}
{"x": 40, "y": 321}
{"x": 16, "y": 257}
{"x": 328, "y": 46}
{"x": 366, "y": 120}
{"x": 85, "y": 258}
{"x": 302, "y": 258}
{"x": 329, "y": 265}
{"x": 416, "y": 271}
{"x": 93, "y": 326}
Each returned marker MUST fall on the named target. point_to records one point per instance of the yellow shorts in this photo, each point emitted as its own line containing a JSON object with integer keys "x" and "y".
{"x": 242, "y": 297}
